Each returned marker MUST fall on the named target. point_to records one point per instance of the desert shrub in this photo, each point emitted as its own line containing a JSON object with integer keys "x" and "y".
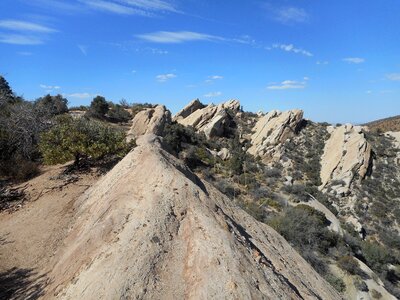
{"x": 177, "y": 135}
{"x": 376, "y": 256}
{"x": 81, "y": 139}
{"x": 118, "y": 114}
{"x": 98, "y": 107}
{"x": 349, "y": 264}
{"x": 54, "y": 105}
{"x": 305, "y": 227}
{"x": 272, "y": 172}
{"x": 336, "y": 282}
{"x": 360, "y": 285}
{"x": 226, "y": 188}
{"x": 375, "y": 294}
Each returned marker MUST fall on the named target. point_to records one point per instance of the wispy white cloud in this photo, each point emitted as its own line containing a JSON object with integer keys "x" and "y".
{"x": 20, "y": 39}
{"x": 354, "y": 60}
{"x": 393, "y": 76}
{"x": 290, "y": 48}
{"x": 156, "y": 5}
{"x": 213, "y": 94}
{"x": 322, "y": 62}
{"x": 80, "y": 95}
{"x": 23, "y": 26}
{"x": 23, "y": 33}
{"x": 113, "y": 7}
{"x": 83, "y": 49}
{"x": 287, "y": 14}
{"x": 165, "y": 77}
{"x": 288, "y": 84}
{"x": 216, "y": 77}
{"x": 50, "y": 87}
{"x": 169, "y": 37}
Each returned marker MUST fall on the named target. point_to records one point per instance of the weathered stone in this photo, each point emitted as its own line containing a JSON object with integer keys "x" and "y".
{"x": 149, "y": 120}
{"x": 272, "y": 129}
{"x": 346, "y": 154}
{"x": 189, "y": 109}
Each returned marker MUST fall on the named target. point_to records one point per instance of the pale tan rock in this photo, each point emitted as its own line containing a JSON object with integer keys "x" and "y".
{"x": 210, "y": 119}
{"x": 149, "y": 120}
{"x": 346, "y": 154}
{"x": 224, "y": 154}
{"x": 189, "y": 109}
{"x": 272, "y": 129}
{"x": 151, "y": 229}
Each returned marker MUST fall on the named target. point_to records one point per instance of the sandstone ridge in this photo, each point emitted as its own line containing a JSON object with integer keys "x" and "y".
{"x": 151, "y": 229}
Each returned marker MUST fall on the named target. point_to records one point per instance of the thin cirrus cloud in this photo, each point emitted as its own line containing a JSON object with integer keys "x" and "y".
{"x": 393, "y": 76}
{"x": 23, "y": 33}
{"x": 289, "y": 84}
{"x": 165, "y": 77}
{"x": 50, "y": 87}
{"x": 177, "y": 37}
{"x": 145, "y": 8}
{"x": 290, "y": 48}
{"x": 213, "y": 95}
{"x": 80, "y": 95}
{"x": 287, "y": 14}
{"x": 83, "y": 49}
{"x": 354, "y": 60}
{"x": 16, "y": 25}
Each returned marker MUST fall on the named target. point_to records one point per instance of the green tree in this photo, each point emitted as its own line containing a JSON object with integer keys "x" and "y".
{"x": 81, "y": 139}
{"x": 53, "y": 105}
{"x": 99, "y": 107}
{"x": 117, "y": 113}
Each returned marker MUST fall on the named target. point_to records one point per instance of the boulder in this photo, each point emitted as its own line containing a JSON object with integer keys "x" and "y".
{"x": 346, "y": 154}
{"x": 149, "y": 120}
{"x": 189, "y": 109}
{"x": 224, "y": 154}
{"x": 273, "y": 129}
{"x": 211, "y": 119}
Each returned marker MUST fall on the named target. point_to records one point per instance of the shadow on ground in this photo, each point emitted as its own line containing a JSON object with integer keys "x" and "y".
{"x": 21, "y": 284}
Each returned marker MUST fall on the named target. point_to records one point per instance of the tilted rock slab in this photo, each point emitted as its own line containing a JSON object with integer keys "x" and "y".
{"x": 273, "y": 129}
{"x": 346, "y": 154}
{"x": 151, "y": 229}
{"x": 149, "y": 120}
{"x": 189, "y": 109}
{"x": 210, "y": 119}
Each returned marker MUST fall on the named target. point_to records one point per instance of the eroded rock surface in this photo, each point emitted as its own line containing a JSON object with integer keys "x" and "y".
{"x": 346, "y": 154}
{"x": 149, "y": 120}
{"x": 211, "y": 119}
{"x": 151, "y": 229}
{"x": 272, "y": 129}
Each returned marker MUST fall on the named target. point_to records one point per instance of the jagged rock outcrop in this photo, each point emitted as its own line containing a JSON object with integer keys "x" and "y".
{"x": 151, "y": 229}
{"x": 149, "y": 120}
{"x": 272, "y": 129}
{"x": 189, "y": 109}
{"x": 211, "y": 119}
{"x": 346, "y": 154}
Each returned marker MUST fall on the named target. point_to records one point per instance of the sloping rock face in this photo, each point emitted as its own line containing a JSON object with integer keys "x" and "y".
{"x": 211, "y": 119}
{"x": 150, "y": 120}
{"x": 189, "y": 109}
{"x": 346, "y": 154}
{"x": 151, "y": 229}
{"x": 395, "y": 135}
{"x": 272, "y": 129}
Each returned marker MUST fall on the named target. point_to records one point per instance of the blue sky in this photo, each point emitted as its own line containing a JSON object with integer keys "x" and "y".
{"x": 337, "y": 60}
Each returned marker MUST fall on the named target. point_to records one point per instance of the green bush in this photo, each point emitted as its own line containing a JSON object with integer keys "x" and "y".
{"x": 98, "y": 107}
{"x": 118, "y": 114}
{"x": 79, "y": 139}
{"x": 349, "y": 264}
{"x": 336, "y": 282}
{"x": 377, "y": 257}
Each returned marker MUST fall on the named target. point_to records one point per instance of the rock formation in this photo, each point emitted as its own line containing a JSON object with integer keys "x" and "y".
{"x": 151, "y": 229}
{"x": 272, "y": 129}
{"x": 189, "y": 109}
{"x": 346, "y": 154}
{"x": 149, "y": 120}
{"x": 211, "y": 119}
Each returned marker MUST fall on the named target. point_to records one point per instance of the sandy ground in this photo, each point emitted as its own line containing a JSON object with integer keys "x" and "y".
{"x": 30, "y": 236}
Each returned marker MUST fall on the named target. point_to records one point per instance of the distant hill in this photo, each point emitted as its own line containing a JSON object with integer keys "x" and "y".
{"x": 384, "y": 125}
